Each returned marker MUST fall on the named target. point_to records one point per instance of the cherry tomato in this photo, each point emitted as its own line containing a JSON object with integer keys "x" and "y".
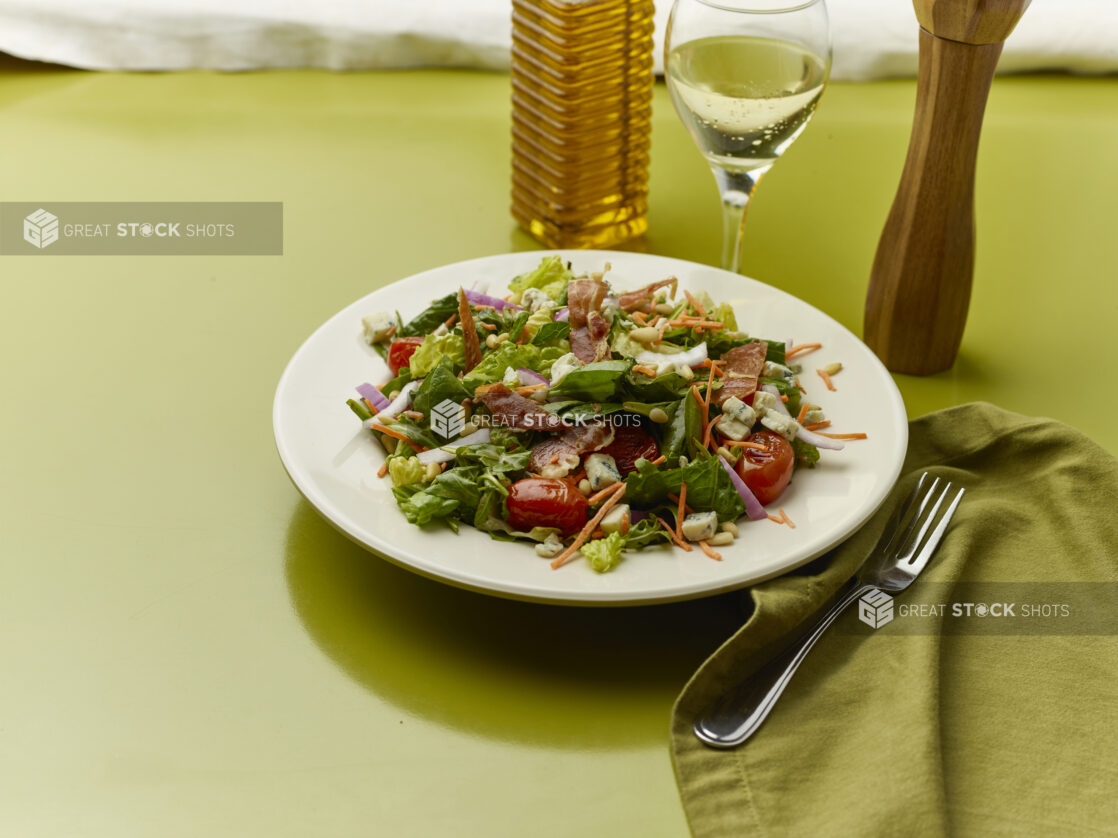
{"x": 400, "y": 352}
{"x": 767, "y": 472}
{"x": 630, "y": 443}
{"x": 546, "y": 502}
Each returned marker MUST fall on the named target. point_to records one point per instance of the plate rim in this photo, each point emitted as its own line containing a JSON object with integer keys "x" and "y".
{"x": 515, "y": 591}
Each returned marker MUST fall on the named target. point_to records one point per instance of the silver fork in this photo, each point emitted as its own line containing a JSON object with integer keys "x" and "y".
{"x": 906, "y": 545}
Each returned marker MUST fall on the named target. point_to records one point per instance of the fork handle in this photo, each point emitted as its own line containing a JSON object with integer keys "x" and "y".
{"x": 739, "y": 714}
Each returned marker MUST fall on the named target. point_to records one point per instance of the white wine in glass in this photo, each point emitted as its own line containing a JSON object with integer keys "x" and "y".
{"x": 745, "y": 77}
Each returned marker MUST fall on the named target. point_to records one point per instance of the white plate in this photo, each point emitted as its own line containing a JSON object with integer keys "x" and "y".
{"x": 334, "y": 463}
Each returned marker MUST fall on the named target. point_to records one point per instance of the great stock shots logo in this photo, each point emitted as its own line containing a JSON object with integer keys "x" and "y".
{"x": 40, "y": 228}
{"x": 448, "y": 418}
{"x": 160, "y": 228}
{"x": 875, "y": 609}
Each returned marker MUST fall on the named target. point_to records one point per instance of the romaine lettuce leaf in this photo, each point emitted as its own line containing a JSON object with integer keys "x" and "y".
{"x": 433, "y": 349}
{"x": 550, "y": 276}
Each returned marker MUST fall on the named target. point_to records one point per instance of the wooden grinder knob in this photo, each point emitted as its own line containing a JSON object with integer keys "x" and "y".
{"x": 920, "y": 284}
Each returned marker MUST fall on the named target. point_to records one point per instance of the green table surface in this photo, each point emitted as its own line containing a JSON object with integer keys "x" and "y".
{"x": 188, "y": 649}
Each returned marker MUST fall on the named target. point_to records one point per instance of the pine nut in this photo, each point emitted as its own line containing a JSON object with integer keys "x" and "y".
{"x": 730, "y": 527}
{"x": 722, "y": 539}
{"x": 658, "y": 416}
{"x": 833, "y": 369}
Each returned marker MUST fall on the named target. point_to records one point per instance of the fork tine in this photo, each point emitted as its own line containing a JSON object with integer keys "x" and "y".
{"x": 899, "y": 544}
{"x": 921, "y": 558}
{"x": 893, "y": 528}
{"x": 911, "y": 542}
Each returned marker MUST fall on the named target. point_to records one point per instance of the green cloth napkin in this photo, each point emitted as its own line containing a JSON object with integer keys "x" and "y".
{"x": 884, "y": 732}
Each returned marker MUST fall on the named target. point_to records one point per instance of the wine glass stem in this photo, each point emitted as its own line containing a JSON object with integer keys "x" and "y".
{"x": 736, "y": 188}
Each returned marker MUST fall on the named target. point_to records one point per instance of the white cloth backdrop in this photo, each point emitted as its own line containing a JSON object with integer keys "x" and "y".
{"x": 873, "y": 38}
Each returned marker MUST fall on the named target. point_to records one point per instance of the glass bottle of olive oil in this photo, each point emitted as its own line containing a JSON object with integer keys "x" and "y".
{"x": 581, "y": 111}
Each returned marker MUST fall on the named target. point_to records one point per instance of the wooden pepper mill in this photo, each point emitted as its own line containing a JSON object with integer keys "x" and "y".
{"x": 920, "y": 285}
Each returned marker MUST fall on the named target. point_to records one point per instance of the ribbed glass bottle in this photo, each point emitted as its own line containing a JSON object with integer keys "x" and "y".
{"x": 581, "y": 111}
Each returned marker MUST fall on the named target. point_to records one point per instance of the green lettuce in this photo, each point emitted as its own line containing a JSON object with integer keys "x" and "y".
{"x": 596, "y": 382}
{"x": 708, "y": 487}
{"x": 429, "y": 319}
{"x": 604, "y": 554}
{"x": 551, "y": 277}
{"x": 405, "y": 470}
{"x": 440, "y": 384}
{"x": 547, "y": 332}
{"x": 433, "y": 349}
{"x": 508, "y": 354}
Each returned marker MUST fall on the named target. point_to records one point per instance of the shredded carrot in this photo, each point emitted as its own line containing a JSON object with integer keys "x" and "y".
{"x": 659, "y": 460}
{"x": 383, "y": 470}
{"x": 480, "y": 306}
{"x": 663, "y": 328}
{"x": 702, "y": 404}
{"x": 784, "y": 398}
{"x": 624, "y": 528}
{"x": 710, "y": 389}
{"x": 696, "y": 324}
{"x": 414, "y": 414}
{"x": 601, "y": 494}
{"x": 743, "y": 444}
{"x": 801, "y": 348}
{"x": 645, "y": 369}
{"x": 391, "y": 331}
{"x": 450, "y": 320}
{"x": 845, "y": 436}
{"x": 528, "y": 388}
{"x": 803, "y": 412}
{"x": 826, "y": 380}
{"x": 695, "y": 304}
{"x": 675, "y": 537}
{"x": 814, "y": 426}
{"x": 397, "y": 435}
{"x": 369, "y": 405}
{"x": 776, "y": 518}
{"x": 639, "y": 317}
{"x": 675, "y": 499}
{"x": 598, "y": 533}
{"x": 787, "y": 520}
{"x": 488, "y": 326}
{"x": 591, "y": 525}
{"x": 706, "y": 433}
{"x": 682, "y": 507}
{"x": 714, "y": 554}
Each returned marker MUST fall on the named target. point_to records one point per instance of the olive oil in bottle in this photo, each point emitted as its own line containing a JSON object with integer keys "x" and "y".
{"x": 581, "y": 119}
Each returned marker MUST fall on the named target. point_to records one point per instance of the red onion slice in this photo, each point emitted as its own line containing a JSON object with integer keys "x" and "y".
{"x": 376, "y": 398}
{"x": 753, "y": 506}
{"x": 479, "y": 299}
{"x": 529, "y": 377}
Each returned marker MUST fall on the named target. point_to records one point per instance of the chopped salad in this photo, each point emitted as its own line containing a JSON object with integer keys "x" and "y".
{"x": 591, "y": 421}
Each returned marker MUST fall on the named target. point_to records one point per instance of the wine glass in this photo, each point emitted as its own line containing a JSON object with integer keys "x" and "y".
{"x": 745, "y": 77}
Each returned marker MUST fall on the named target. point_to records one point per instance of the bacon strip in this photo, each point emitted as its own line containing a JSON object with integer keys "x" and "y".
{"x": 588, "y": 327}
{"x": 469, "y": 332}
{"x": 744, "y": 365}
{"x": 514, "y": 410}
{"x": 641, "y": 299}
{"x": 566, "y": 448}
